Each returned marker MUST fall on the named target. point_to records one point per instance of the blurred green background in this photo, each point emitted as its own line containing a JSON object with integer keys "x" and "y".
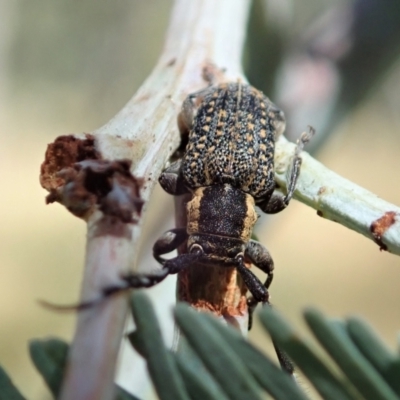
{"x": 68, "y": 67}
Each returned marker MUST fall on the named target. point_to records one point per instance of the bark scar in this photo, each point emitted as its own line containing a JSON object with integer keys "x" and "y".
{"x": 76, "y": 176}
{"x": 380, "y": 226}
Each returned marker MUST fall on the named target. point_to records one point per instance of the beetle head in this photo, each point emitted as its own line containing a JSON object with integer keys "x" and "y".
{"x": 212, "y": 249}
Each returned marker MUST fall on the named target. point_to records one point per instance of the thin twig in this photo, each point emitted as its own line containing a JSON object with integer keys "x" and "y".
{"x": 340, "y": 200}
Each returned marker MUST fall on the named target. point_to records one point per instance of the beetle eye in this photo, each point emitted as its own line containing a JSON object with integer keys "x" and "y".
{"x": 239, "y": 258}
{"x": 196, "y": 249}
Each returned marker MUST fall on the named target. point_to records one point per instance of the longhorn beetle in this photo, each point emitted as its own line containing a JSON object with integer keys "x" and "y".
{"x": 228, "y": 167}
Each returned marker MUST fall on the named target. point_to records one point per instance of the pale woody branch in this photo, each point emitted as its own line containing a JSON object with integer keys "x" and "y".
{"x": 342, "y": 201}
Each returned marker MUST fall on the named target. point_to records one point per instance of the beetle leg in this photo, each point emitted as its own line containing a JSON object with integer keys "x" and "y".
{"x": 278, "y": 202}
{"x": 258, "y": 291}
{"x": 284, "y": 360}
{"x": 171, "y": 180}
{"x": 138, "y": 281}
{"x": 129, "y": 281}
{"x": 255, "y": 286}
{"x": 260, "y": 257}
{"x": 168, "y": 242}
{"x": 170, "y": 267}
{"x": 260, "y": 294}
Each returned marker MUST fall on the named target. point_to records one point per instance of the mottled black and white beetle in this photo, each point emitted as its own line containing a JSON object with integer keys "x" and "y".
{"x": 228, "y": 166}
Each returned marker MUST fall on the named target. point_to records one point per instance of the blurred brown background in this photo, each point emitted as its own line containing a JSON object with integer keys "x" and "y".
{"x": 69, "y": 67}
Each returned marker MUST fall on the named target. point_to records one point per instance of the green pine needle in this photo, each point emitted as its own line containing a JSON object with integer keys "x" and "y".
{"x": 214, "y": 362}
{"x": 7, "y": 389}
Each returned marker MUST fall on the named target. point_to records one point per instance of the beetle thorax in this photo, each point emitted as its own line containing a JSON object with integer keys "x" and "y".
{"x": 221, "y": 210}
